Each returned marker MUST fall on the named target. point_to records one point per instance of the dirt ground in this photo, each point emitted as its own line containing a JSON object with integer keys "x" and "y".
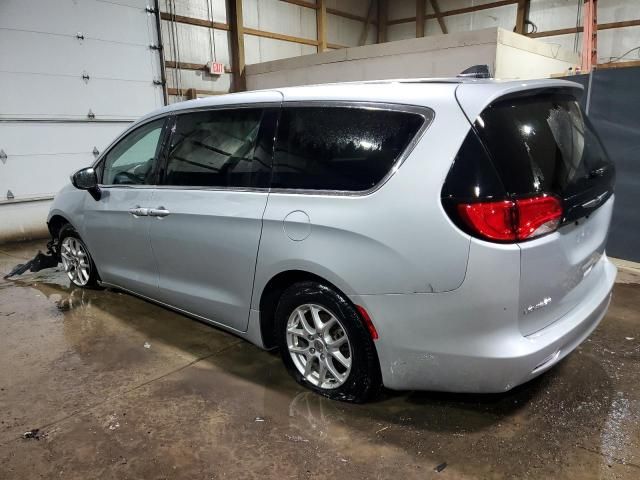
{"x": 121, "y": 388}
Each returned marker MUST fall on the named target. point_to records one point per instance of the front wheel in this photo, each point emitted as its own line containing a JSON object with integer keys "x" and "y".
{"x": 324, "y": 344}
{"x": 76, "y": 261}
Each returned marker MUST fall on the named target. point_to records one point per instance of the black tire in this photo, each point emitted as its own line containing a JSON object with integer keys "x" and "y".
{"x": 363, "y": 381}
{"x": 69, "y": 232}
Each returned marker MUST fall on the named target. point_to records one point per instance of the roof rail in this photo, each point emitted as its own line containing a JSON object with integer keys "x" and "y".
{"x": 477, "y": 71}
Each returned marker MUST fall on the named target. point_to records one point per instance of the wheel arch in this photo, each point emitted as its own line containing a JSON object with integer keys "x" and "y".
{"x": 272, "y": 292}
{"x": 56, "y": 223}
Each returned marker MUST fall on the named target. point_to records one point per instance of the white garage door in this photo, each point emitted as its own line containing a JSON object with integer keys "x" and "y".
{"x": 73, "y": 74}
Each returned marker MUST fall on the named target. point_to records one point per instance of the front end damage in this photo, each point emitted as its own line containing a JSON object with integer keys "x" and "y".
{"x": 39, "y": 262}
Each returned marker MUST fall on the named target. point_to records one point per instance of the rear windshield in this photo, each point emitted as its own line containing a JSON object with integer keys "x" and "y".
{"x": 543, "y": 143}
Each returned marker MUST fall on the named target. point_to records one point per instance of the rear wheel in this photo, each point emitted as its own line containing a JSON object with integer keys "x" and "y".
{"x": 325, "y": 345}
{"x": 76, "y": 260}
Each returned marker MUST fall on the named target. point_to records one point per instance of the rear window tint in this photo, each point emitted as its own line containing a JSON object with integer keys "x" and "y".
{"x": 472, "y": 175}
{"x": 542, "y": 143}
{"x": 339, "y": 148}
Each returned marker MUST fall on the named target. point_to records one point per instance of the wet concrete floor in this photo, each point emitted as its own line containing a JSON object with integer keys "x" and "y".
{"x": 121, "y": 388}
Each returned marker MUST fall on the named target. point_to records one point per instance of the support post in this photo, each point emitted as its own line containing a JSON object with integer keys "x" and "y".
{"x": 234, "y": 9}
{"x": 382, "y": 21}
{"x": 321, "y": 25}
{"x": 420, "y": 11}
{"x": 590, "y": 36}
{"x": 522, "y": 15}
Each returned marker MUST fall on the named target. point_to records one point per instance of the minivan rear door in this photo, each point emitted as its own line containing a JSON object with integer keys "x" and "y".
{"x": 540, "y": 142}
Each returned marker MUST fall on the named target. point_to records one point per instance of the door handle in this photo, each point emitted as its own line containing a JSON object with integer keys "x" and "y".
{"x": 139, "y": 211}
{"x": 158, "y": 212}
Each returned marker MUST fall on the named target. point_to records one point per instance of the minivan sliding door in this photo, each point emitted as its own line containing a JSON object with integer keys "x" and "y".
{"x": 209, "y": 206}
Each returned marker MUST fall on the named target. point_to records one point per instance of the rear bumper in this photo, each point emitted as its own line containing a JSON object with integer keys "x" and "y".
{"x": 434, "y": 342}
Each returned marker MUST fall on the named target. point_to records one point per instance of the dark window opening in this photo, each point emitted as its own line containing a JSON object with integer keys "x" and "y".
{"x": 339, "y": 148}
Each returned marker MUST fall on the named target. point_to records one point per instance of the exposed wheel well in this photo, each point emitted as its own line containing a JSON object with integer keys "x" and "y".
{"x": 271, "y": 294}
{"x": 55, "y": 225}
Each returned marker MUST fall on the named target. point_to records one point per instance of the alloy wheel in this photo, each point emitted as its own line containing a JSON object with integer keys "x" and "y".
{"x": 319, "y": 346}
{"x": 75, "y": 260}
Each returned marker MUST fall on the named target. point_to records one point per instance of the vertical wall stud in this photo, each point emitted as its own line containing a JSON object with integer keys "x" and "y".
{"x": 420, "y": 11}
{"x": 521, "y": 17}
{"x": 382, "y": 21}
{"x": 321, "y": 25}
{"x": 236, "y": 26}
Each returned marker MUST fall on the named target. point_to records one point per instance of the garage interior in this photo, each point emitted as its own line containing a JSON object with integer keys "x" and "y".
{"x": 101, "y": 384}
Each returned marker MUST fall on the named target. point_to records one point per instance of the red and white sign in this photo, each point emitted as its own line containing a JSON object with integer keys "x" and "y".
{"x": 216, "y": 68}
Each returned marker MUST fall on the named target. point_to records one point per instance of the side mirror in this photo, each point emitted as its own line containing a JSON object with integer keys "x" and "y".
{"x": 86, "y": 179}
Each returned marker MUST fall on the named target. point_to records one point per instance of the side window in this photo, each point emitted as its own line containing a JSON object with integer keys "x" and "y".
{"x": 216, "y": 149}
{"x": 339, "y": 148}
{"x": 131, "y": 161}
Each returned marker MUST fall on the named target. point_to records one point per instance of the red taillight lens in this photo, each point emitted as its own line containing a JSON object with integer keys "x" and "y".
{"x": 538, "y": 216}
{"x": 512, "y": 220}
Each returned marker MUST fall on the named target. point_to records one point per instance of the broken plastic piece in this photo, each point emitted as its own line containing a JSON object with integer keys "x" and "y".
{"x": 37, "y": 263}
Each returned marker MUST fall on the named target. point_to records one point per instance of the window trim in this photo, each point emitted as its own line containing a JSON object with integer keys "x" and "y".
{"x": 427, "y": 114}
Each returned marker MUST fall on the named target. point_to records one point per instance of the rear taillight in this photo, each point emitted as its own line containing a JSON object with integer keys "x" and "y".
{"x": 512, "y": 220}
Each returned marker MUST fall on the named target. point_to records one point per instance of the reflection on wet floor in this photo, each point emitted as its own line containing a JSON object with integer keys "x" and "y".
{"x": 118, "y": 387}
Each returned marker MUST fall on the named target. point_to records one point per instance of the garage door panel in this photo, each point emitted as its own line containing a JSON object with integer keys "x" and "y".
{"x": 22, "y": 138}
{"x": 32, "y": 176}
{"x": 23, "y": 96}
{"x": 57, "y": 54}
{"x": 95, "y": 19}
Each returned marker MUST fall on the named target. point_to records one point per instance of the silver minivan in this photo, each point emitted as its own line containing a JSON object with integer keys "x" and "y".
{"x": 413, "y": 234}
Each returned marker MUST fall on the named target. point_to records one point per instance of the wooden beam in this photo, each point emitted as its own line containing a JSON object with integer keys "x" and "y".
{"x": 631, "y": 63}
{"x": 438, "y": 13}
{"x": 234, "y": 13}
{"x": 367, "y": 22}
{"x": 457, "y": 11}
{"x": 382, "y": 21}
{"x": 194, "y": 21}
{"x": 336, "y": 46}
{"x": 185, "y": 92}
{"x": 321, "y": 25}
{"x": 301, "y": 3}
{"x": 570, "y": 30}
{"x": 521, "y": 17}
{"x": 280, "y": 36}
{"x": 351, "y": 16}
{"x": 421, "y": 6}
{"x": 248, "y": 31}
{"x": 332, "y": 11}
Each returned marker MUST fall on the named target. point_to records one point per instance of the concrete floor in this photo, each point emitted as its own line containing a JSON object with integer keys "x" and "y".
{"x": 201, "y": 404}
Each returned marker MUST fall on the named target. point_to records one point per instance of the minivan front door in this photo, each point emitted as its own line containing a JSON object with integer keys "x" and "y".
{"x": 207, "y": 213}
{"x": 116, "y": 227}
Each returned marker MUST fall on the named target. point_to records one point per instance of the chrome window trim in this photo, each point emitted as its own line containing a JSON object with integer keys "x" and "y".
{"x": 426, "y": 113}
